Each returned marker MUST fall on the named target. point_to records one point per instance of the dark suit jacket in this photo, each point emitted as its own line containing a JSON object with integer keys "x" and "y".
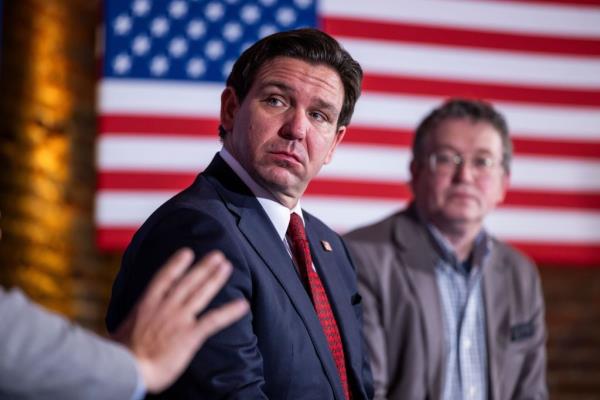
{"x": 278, "y": 350}
{"x": 396, "y": 261}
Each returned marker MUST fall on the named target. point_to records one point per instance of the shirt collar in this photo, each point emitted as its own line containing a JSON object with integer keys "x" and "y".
{"x": 278, "y": 214}
{"x": 481, "y": 247}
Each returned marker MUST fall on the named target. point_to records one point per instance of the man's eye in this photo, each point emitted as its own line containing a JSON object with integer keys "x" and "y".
{"x": 483, "y": 162}
{"x": 318, "y": 116}
{"x": 274, "y": 101}
{"x": 443, "y": 158}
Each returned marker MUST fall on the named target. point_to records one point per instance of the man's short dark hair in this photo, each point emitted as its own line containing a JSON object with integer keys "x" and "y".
{"x": 309, "y": 45}
{"x": 458, "y": 108}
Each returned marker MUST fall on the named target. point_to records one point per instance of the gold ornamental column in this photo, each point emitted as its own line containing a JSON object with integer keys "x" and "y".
{"x": 47, "y": 179}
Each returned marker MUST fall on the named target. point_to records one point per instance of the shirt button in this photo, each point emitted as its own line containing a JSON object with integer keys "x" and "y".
{"x": 467, "y": 344}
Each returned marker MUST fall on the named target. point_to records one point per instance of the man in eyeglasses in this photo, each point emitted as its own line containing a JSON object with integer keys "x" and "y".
{"x": 450, "y": 311}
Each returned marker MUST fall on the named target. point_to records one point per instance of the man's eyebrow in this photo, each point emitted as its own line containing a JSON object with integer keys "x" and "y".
{"x": 327, "y": 106}
{"x": 445, "y": 146}
{"x": 449, "y": 146}
{"x": 319, "y": 103}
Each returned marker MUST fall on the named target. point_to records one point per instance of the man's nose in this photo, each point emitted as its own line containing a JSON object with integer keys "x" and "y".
{"x": 296, "y": 125}
{"x": 464, "y": 171}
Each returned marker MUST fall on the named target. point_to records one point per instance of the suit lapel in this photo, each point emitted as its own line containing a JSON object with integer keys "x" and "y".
{"x": 339, "y": 298}
{"x": 497, "y": 307}
{"x": 418, "y": 254}
{"x": 260, "y": 233}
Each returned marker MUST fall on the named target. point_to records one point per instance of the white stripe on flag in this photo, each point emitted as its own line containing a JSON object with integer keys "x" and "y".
{"x": 159, "y": 98}
{"x": 155, "y": 153}
{"x": 543, "y": 225}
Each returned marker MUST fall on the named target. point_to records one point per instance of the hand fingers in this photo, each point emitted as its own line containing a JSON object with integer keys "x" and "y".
{"x": 175, "y": 295}
{"x": 201, "y": 274}
{"x": 220, "y": 317}
{"x": 166, "y": 277}
{"x": 204, "y": 288}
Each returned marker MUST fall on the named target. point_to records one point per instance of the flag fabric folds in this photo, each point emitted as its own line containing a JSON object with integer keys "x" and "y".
{"x": 165, "y": 63}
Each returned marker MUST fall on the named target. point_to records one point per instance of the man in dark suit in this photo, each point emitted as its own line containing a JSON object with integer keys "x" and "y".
{"x": 288, "y": 101}
{"x": 451, "y": 312}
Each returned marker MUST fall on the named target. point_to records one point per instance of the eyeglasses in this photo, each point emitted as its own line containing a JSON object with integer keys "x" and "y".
{"x": 447, "y": 162}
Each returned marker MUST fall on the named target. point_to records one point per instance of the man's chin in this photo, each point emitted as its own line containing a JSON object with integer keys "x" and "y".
{"x": 462, "y": 214}
{"x": 283, "y": 182}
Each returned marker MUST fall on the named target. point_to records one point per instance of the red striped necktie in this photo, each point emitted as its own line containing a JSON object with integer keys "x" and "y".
{"x": 312, "y": 282}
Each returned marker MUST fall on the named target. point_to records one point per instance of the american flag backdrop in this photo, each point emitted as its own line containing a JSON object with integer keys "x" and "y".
{"x": 165, "y": 63}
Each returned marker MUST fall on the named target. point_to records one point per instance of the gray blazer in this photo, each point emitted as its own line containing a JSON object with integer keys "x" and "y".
{"x": 403, "y": 316}
{"x": 43, "y": 356}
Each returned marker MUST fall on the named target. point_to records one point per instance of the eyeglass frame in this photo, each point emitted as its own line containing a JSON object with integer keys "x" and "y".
{"x": 459, "y": 160}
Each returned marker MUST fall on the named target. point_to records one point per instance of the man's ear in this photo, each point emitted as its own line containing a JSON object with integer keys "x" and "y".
{"x": 415, "y": 170}
{"x": 504, "y": 184}
{"x": 229, "y": 107}
{"x": 339, "y": 135}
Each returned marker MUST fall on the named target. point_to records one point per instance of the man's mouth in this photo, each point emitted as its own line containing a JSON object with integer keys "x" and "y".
{"x": 288, "y": 156}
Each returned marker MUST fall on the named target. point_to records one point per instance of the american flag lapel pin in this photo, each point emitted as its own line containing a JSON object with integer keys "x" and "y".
{"x": 326, "y": 245}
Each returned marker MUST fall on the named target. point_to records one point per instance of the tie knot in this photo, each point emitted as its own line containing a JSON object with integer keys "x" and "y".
{"x": 296, "y": 228}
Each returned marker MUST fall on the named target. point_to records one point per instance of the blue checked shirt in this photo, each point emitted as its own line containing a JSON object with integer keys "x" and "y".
{"x": 464, "y": 319}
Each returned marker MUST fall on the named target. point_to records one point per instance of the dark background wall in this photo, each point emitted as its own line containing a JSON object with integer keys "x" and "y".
{"x": 47, "y": 178}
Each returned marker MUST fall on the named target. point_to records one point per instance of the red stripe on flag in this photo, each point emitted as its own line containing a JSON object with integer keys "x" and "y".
{"x": 460, "y": 37}
{"x": 569, "y": 255}
{"x": 159, "y": 125}
{"x": 379, "y": 136}
{"x": 172, "y": 181}
{"x": 112, "y": 238}
{"x": 553, "y": 199}
{"x": 558, "y": 148}
{"x": 360, "y": 189}
{"x": 490, "y": 91}
{"x": 140, "y": 181}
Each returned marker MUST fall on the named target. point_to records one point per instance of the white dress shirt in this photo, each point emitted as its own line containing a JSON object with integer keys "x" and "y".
{"x": 278, "y": 214}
